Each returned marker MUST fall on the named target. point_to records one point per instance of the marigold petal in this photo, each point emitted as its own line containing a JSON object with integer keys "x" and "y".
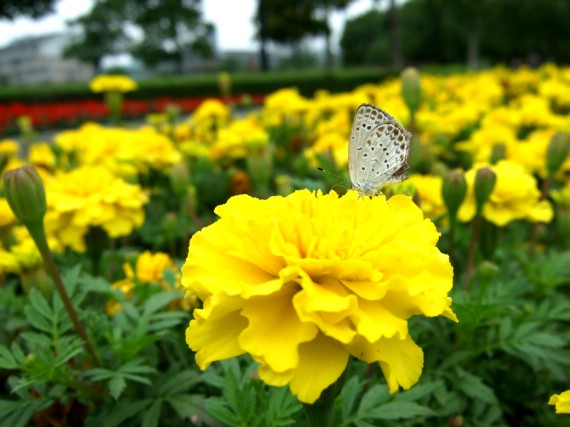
{"x": 401, "y": 360}
{"x": 321, "y": 362}
{"x": 274, "y": 331}
{"x": 213, "y": 333}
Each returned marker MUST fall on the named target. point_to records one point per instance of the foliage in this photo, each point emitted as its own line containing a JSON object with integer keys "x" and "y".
{"x": 441, "y": 30}
{"x": 11, "y": 9}
{"x": 98, "y": 33}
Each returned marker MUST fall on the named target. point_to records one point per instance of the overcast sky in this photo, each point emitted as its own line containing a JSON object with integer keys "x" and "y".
{"x": 232, "y": 18}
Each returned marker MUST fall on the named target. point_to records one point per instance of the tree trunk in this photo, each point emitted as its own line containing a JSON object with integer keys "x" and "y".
{"x": 262, "y": 16}
{"x": 473, "y": 44}
{"x": 395, "y": 36}
{"x": 329, "y": 60}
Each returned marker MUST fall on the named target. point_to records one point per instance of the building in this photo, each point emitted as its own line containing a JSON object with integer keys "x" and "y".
{"x": 39, "y": 59}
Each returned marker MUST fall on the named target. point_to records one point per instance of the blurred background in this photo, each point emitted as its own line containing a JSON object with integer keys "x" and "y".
{"x": 56, "y": 41}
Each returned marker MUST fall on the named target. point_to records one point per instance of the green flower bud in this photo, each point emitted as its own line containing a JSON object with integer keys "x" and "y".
{"x": 557, "y": 152}
{"x": 180, "y": 179}
{"x": 411, "y": 88}
{"x": 25, "y": 194}
{"x": 485, "y": 180}
{"x": 453, "y": 191}
{"x": 499, "y": 152}
{"x": 283, "y": 184}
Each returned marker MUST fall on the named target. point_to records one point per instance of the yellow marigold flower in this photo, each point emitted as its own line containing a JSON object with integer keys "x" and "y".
{"x": 429, "y": 189}
{"x": 515, "y": 196}
{"x": 210, "y": 112}
{"x": 326, "y": 143}
{"x": 41, "y": 154}
{"x": 304, "y": 281}
{"x": 112, "y": 83}
{"x": 118, "y": 149}
{"x": 23, "y": 255}
{"x": 561, "y": 402}
{"x": 239, "y": 138}
{"x": 8, "y": 147}
{"x": 7, "y": 217}
{"x": 92, "y": 197}
{"x": 149, "y": 268}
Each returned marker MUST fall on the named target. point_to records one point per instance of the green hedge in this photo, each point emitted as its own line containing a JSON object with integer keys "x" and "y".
{"x": 206, "y": 85}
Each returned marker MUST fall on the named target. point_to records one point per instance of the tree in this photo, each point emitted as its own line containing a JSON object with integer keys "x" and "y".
{"x": 327, "y": 6}
{"x": 11, "y": 9}
{"x": 287, "y": 22}
{"x": 362, "y": 43}
{"x": 99, "y": 33}
{"x": 171, "y": 29}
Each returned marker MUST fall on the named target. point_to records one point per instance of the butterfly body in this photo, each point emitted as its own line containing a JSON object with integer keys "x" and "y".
{"x": 377, "y": 151}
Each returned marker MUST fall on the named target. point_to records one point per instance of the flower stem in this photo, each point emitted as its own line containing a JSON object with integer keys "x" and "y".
{"x": 37, "y": 232}
{"x": 532, "y": 242}
{"x": 472, "y": 250}
{"x": 320, "y": 413}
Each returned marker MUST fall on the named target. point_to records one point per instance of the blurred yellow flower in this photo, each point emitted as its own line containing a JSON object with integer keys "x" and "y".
{"x": 92, "y": 197}
{"x": 8, "y": 147}
{"x": 561, "y": 402}
{"x": 428, "y": 188}
{"x": 122, "y": 150}
{"x": 304, "y": 281}
{"x": 515, "y": 196}
{"x": 7, "y": 217}
{"x": 41, "y": 154}
{"x": 149, "y": 268}
{"x": 23, "y": 255}
{"x": 112, "y": 83}
{"x": 241, "y": 137}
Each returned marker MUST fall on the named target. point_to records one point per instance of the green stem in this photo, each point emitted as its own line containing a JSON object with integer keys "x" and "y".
{"x": 472, "y": 250}
{"x": 320, "y": 413}
{"x": 37, "y": 232}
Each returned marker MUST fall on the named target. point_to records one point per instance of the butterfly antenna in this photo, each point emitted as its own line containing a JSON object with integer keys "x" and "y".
{"x": 335, "y": 175}
{"x": 331, "y": 173}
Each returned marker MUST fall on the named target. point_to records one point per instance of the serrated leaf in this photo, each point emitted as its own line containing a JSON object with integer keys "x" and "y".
{"x": 17, "y": 413}
{"x": 218, "y": 409}
{"x": 39, "y": 303}
{"x": 116, "y": 386}
{"x": 418, "y": 391}
{"x": 7, "y": 359}
{"x": 186, "y": 405}
{"x": 474, "y": 387}
{"x": 399, "y": 410}
{"x": 159, "y": 301}
{"x": 36, "y": 320}
{"x": 37, "y": 339}
{"x": 348, "y": 396}
{"x": 372, "y": 398}
{"x": 151, "y": 416}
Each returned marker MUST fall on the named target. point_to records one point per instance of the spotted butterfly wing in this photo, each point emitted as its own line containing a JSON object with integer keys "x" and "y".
{"x": 378, "y": 150}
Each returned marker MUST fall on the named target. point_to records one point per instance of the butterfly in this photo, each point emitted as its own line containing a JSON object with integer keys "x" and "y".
{"x": 377, "y": 151}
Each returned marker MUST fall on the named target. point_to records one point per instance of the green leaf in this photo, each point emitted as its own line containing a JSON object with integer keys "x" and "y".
{"x": 39, "y": 303}
{"x": 16, "y": 413}
{"x": 151, "y": 416}
{"x": 399, "y": 410}
{"x": 348, "y": 396}
{"x": 8, "y": 359}
{"x": 186, "y": 405}
{"x": 373, "y": 398}
{"x": 474, "y": 387}
{"x": 116, "y": 386}
{"x": 159, "y": 301}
